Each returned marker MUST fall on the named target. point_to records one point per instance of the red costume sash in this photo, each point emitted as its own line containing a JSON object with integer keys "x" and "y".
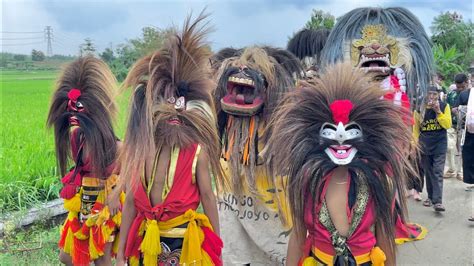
{"x": 183, "y": 197}
{"x": 360, "y": 243}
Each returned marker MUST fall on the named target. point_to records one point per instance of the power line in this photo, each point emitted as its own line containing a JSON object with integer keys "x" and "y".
{"x": 56, "y": 42}
{"x": 20, "y": 44}
{"x": 68, "y": 37}
{"x": 15, "y": 39}
{"x": 21, "y": 32}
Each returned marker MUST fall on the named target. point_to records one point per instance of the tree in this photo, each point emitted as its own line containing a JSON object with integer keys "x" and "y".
{"x": 19, "y": 57}
{"x": 127, "y": 54}
{"x": 445, "y": 60}
{"x": 37, "y": 55}
{"x": 87, "y": 48}
{"x": 152, "y": 39}
{"x": 450, "y": 30}
{"x": 107, "y": 55}
{"x": 320, "y": 20}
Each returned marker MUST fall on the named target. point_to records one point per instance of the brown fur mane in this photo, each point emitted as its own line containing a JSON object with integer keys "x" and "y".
{"x": 277, "y": 66}
{"x": 296, "y": 149}
{"x": 97, "y": 85}
{"x": 184, "y": 59}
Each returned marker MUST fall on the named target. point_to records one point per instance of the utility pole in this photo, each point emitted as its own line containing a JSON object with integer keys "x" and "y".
{"x": 49, "y": 36}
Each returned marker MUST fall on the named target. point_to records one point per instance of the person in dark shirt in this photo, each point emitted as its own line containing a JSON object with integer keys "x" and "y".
{"x": 453, "y": 156}
{"x": 431, "y": 126}
{"x": 468, "y": 145}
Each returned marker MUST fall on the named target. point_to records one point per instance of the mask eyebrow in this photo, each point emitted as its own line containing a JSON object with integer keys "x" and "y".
{"x": 352, "y": 126}
{"x": 329, "y": 126}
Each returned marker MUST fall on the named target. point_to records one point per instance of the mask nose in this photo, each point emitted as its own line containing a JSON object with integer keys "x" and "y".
{"x": 340, "y": 133}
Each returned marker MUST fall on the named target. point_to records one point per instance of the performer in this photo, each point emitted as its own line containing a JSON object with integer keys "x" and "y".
{"x": 170, "y": 146}
{"x": 307, "y": 45}
{"x": 345, "y": 153}
{"x": 390, "y": 44}
{"x": 81, "y": 113}
{"x": 253, "y": 213}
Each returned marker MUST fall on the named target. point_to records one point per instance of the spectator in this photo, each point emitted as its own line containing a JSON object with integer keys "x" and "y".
{"x": 454, "y": 149}
{"x": 431, "y": 126}
{"x": 465, "y": 106}
{"x": 438, "y": 82}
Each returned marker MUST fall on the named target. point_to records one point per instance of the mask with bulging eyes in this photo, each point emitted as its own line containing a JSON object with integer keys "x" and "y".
{"x": 179, "y": 105}
{"x": 342, "y": 153}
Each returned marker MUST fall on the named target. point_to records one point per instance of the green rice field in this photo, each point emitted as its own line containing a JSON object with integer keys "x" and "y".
{"x": 28, "y": 174}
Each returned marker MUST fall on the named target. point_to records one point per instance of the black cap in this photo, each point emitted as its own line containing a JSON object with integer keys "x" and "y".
{"x": 434, "y": 88}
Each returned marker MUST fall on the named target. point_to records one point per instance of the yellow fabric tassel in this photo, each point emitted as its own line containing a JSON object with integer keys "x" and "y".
{"x": 122, "y": 197}
{"x": 309, "y": 261}
{"x": 117, "y": 219}
{"x": 150, "y": 246}
{"x": 377, "y": 257}
{"x": 98, "y": 218}
{"x": 206, "y": 260}
{"x": 92, "y": 220}
{"x": 101, "y": 197}
{"x": 69, "y": 242}
{"x": 191, "y": 253}
{"x": 93, "y": 252}
{"x": 193, "y": 238}
{"x": 115, "y": 245}
{"x": 79, "y": 235}
{"x": 73, "y": 204}
{"x": 104, "y": 215}
{"x": 106, "y": 231}
{"x": 133, "y": 261}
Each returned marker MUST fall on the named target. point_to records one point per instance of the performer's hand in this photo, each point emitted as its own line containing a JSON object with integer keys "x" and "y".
{"x": 114, "y": 205}
{"x": 120, "y": 261}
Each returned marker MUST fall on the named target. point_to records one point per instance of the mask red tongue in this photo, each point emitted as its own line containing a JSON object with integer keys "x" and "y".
{"x": 373, "y": 64}
{"x": 240, "y": 99}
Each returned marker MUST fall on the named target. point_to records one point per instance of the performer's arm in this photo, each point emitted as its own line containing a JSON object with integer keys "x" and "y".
{"x": 295, "y": 248}
{"x": 128, "y": 215}
{"x": 208, "y": 199}
{"x": 113, "y": 198}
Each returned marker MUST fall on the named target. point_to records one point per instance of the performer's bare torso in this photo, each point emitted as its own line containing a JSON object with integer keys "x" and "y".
{"x": 162, "y": 166}
{"x": 337, "y": 198}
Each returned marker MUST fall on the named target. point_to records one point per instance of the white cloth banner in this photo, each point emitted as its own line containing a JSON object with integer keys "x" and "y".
{"x": 251, "y": 232}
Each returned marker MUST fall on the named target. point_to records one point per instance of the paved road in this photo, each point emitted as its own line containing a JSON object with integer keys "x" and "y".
{"x": 450, "y": 239}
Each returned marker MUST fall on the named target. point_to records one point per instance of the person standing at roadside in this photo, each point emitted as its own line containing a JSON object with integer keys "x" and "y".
{"x": 431, "y": 125}
{"x": 454, "y": 149}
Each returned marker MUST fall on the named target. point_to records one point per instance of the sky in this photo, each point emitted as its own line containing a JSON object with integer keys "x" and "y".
{"x": 236, "y": 23}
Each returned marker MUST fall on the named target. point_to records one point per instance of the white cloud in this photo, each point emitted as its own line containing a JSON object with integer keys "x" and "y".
{"x": 237, "y": 23}
{"x": 24, "y": 16}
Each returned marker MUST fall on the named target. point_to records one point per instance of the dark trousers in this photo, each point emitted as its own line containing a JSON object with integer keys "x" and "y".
{"x": 433, "y": 165}
{"x": 416, "y": 182}
{"x": 468, "y": 159}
